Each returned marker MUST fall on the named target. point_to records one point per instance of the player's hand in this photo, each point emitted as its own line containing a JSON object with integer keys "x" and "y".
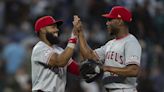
{"x": 76, "y": 20}
{"x": 77, "y": 25}
{"x": 74, "y": 35}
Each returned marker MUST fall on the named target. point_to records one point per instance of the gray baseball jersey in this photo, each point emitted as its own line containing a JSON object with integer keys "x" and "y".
{"x": 45, "y": 78}
{"x": 120, "y": 53}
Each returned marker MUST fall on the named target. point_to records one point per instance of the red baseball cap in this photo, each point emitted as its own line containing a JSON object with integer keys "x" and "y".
{"x": 119, "y": 12}
{"x": 45, "y": 21}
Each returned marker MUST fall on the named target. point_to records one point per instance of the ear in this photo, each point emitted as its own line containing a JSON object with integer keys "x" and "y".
{"x": 120, "y": 22}
{"x": 43, "y": 30}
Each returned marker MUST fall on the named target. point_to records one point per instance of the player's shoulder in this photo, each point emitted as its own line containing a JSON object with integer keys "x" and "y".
{"x": 132, "y": 38}
{"x": 110, "y": 41}
{"x": 40, "y": 49}
{"x": 38, "y": 45}
{"x": 41, "y": 46}
{"x": 55, "y": 47}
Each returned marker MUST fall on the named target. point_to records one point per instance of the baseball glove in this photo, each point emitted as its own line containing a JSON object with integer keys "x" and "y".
{"x": 91, "y": 71}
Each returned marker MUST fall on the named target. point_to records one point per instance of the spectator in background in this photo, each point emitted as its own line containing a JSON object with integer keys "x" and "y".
{"x": 14, "y": 54}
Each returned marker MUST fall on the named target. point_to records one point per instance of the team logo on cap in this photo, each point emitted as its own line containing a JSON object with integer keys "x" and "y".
{"x": 130, "y": 19}
{"x": 119, "y": 16}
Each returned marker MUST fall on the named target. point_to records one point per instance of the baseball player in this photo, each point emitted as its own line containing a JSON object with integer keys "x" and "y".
{"x": 120, "y": 56}
{"x": 49, "y": 61}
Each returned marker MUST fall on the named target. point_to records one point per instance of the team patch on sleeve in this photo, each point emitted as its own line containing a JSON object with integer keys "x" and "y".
{"x": 133, "y": 60}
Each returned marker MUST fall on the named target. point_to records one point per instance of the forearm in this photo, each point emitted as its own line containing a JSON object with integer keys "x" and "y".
{"x": 62, "y": 59}
{"x": 129, "y": 71}
{"x": 85, "y": 50}
{"x": 65, "y": 56}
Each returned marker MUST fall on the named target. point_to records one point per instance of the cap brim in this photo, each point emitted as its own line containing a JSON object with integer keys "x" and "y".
{"x": 59, "y": 22}
{"x": 107, "y": 16}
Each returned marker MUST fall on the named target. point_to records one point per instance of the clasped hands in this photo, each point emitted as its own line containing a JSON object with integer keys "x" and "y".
{"x": 77, "y": 26}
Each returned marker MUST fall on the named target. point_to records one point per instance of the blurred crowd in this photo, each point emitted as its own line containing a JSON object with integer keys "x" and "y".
{"x": 17, "y": 38}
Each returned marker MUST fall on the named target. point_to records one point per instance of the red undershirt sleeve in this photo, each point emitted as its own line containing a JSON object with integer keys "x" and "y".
{"x": 73, "y": 68}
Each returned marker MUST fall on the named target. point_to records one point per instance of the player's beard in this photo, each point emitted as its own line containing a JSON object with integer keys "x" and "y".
{"x": 52, "y": 39}
{"x": 113, "y": 30}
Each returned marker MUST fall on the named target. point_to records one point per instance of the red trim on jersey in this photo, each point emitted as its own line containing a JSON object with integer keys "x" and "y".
{"x": 74, "y": 68}
{"x": 118, "y": 38}
{"x": 96, "y": 54}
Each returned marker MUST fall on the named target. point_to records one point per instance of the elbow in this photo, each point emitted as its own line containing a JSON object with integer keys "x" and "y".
{"x": 58, "y": 63}
{"x": 135, "y": 72}
{"x": 62, "y": 63}
{"x": 88, "y": 54}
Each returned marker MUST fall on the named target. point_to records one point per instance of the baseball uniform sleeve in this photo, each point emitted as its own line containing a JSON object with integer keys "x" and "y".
{"x": 132, "y": 52}
{"x": 73, "y": 67}
{"x": 44, "y": 55}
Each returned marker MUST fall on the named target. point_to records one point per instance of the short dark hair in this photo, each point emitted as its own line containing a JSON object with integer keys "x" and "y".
{"x": 127, "y": 23}
{"x": 38, "y": 34}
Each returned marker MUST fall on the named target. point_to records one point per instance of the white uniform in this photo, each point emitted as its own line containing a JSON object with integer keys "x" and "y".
{"x": 120, "y": 53}
{"x": 47, "y": 79}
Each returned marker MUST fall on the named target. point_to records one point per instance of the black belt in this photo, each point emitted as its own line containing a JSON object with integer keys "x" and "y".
{"x": 109, "y": 89}
{"x": 40, "y": 91}
{"x": 113, "y": 79}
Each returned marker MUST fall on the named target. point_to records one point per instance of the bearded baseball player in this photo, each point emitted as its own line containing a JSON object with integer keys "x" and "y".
{"x": 49, "y": 61}
{"x": 120, "y": 57}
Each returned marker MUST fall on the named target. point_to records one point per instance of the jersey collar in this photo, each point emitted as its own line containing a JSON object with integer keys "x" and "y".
{"x": 119, "y": 38}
